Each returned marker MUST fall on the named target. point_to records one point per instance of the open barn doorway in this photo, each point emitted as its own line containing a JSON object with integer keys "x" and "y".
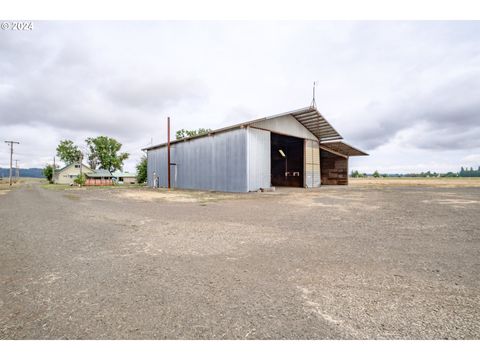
{"x": 334, "y": 168}
{"x": 287, "y": 160}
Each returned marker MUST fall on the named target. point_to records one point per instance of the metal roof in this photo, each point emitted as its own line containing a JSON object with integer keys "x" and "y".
{"x": 66, "y": 166}
{"x": 308, "y": 117}
{"x": 105, "y": 173}
{"x": 123, "y": 174}
{"x": 342, "y": 148}
{"x": 315, "y": 123}
{"x": 99, "y": 173}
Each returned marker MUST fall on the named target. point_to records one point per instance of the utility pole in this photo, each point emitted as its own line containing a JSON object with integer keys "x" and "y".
{"x": 81, "y": 162}
{"x": 168, "y": 161}
{"x": 17, "y": 175}
{"x": 11, "y": 157}
{"x": 53, "y": 171}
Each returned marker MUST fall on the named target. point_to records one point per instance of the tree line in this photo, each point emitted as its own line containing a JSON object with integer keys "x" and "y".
{"x": 464, "y": 172}
{"x": 183, "y": 133}
{"x": 469, "y": 172}
{"x": 103, "y": 153}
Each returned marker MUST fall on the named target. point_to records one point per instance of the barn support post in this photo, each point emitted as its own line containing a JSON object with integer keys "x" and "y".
{"x": 348, "y": 160}
{"x": 168, "y": 150}
{"x": 305, "y": 163}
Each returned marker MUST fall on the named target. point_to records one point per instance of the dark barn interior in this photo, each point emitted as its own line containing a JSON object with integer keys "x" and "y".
{"x": 287, "y": 160}
{"x": 334, "y": 169}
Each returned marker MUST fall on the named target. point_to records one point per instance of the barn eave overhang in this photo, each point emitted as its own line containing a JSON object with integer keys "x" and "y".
{"x": 341, "y": 148}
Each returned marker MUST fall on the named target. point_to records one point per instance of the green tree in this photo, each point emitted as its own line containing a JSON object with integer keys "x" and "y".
{"x": 183, "y": 133}
{"x": 105, "y": 152}
{"x": 80, "y": 179}
{"x": 48, "y": 173}
{"x": 68, "y": 152}
{"x": 92, "y": 155}
{"x": 142, "y": 170}
{"x": 376, "y": 174}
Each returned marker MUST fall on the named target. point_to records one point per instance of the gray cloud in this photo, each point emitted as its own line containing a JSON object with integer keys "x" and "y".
{"x": 446, "y": 138}
{"x": 154, "y": 94}
{"x": 447, "y": 107}
{"x": 407, "y": 89}
{"x": 66, "y": 88}
{"x": 449, "y": 116}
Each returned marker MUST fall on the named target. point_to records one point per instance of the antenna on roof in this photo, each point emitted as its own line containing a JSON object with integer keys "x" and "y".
{"x": 314, "y": 104}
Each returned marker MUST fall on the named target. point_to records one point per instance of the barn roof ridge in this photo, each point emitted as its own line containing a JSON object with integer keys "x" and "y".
{"x": 309, "y": 117}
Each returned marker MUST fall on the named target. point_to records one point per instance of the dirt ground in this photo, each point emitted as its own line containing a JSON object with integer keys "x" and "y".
{"x": 366, "y": 261}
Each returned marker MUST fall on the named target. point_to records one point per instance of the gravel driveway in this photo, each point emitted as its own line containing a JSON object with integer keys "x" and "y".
{"x": 336, "y": 262}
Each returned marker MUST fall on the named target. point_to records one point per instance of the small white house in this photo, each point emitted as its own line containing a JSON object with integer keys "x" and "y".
{"x": 69, "y": 173}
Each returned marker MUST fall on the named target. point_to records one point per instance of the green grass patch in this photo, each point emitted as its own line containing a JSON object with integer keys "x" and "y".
{"x": 90, "y": 188}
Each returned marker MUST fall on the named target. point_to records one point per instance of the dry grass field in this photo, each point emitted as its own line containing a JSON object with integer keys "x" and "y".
{"x": 404, "y": 181}
{"x": 5, "y": 185}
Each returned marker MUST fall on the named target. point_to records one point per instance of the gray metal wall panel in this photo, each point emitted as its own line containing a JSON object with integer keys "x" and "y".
{"x": 286, "y": 125}
{"x": 217, "y": 162}
{"x": 157, "y": 162}
{"x": 259, "y": 158}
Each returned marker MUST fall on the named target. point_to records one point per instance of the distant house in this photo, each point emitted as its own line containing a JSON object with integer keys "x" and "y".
{"x": 69, "y": 173}
{"x": 99, "y": 177}
{"x": 125, "y": 177}
{"x": 105, "y": 177}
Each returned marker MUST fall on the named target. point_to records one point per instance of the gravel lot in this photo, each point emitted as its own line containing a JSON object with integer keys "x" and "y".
{"x": 357, "y": 262}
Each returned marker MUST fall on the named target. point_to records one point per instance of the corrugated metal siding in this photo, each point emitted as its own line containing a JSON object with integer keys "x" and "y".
{"x": 259, "y": 167}
{"x": 157, "y": 162}
{"x": 217, "y": 162}
{"x": 312, "y": 164}
{"x": 286, "y": 125}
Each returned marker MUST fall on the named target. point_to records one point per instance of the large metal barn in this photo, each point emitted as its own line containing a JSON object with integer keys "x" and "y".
{"x": 298, "y": 148}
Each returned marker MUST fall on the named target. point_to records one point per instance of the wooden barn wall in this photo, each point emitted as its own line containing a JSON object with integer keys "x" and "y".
{"x": 312, "y": 164}
{"x": 334, "y": 169}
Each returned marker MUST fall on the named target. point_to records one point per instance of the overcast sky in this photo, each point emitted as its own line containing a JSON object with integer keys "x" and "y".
{"x": 406, "y": 92}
